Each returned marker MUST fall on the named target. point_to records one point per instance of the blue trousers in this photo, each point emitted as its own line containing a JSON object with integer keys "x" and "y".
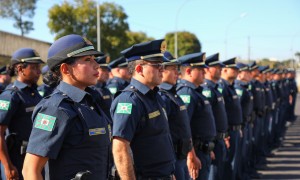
{"x": 218, "y": 164}
{"x": 206, "y": 162}
{"x": 181, "y": 170}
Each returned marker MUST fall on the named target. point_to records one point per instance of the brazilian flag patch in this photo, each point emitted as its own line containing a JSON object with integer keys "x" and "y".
{"x": 113, "y": 90}
{"x": 44, "y": 122}
{"x": 4, "y": 105}
{"x": 124, "y": 108}
{"x": 186, "y": 98}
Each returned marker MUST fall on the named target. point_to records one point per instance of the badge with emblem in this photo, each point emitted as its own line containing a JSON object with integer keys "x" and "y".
{"x": 44, "y": 122}
{"x": 124, "y": 108}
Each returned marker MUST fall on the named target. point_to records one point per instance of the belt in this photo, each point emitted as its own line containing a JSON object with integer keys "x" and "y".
{"x": 170, "y": 177}
{"x": 221, "y": 135}
{"x": 204, "y": 146}
{"x": 235, "y": 127}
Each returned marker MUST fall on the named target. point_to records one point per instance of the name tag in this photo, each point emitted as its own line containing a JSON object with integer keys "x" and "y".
{"x": 220, "y": 99}
{"x": 97, "y": 131}
{"x": 234, "y": 97}
{"x": 257, "y": 89}
{"x": 30, "y": 109}
{"x": 154, "y": 114}
{"x": 251, "y": 97}
{"x": 206, "y": 102}
{"x": 182, "y": 108}
{"x": 267, "y": 89}
{"x": 106, "y": 97}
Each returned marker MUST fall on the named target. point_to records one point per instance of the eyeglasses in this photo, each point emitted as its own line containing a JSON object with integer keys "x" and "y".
{"x": 157, "y": 65}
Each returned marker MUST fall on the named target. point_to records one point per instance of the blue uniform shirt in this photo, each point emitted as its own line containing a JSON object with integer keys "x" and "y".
{"x": 16, "y": 106}
{"x": 199, "y": 111}
{"x": 106, "y": 97}
{"x": 232, "y": 104}
{"x": 258, "y": 96}
{"x": 246, "y": 99}
{"x": 177, "y": 116}
{"x": 140, "y": 118}
{"x": 73, "y": 132}
{"x": 116, "y": 84}
{"x": 210, "y": 91}
{"x": 268, "y": 96}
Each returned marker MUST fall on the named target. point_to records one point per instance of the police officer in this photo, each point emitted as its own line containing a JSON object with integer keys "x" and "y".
{"x": 70, "y": 130}
{"x": 199, "y": 109}
{"x": 210, "y": 90}
{"x": 234, "y": 115}
{"x": 179, "y": 122}
{"x": 4, "y": 78}
{"x": 17, "y": 104}
{"x": 293, "y": 94}
{"x": 105, "y": 94}
{"x": 46, "y": 89}
{"x": 121, "y": 76}
{"x": 139, "y": 118}
{"x": 241, "y": 85}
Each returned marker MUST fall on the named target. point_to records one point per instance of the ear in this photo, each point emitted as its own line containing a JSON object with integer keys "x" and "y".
{"x": 19, "y": 68}
{"x": 188, "y": 71}
{"x": 64, "y": 69}
{"x": 139, "y": 69}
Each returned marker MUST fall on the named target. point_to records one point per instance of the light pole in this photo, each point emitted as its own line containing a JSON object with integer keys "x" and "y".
{"x": 175, "y": 34}
{"x": 228, "y": 26}
{"x": 98, "y": 27}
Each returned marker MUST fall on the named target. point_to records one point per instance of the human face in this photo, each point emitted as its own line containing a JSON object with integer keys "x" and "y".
{"x": 124, "y": 73}
{"x": 152, "y": 72}
{"x": 254, "y": 73}
{"x": 31, "y": 74}
{"x": 170, "y": 74}
{"x": 232, "y": 73}
{"x": 103, "y": 74}
{"x": 197, "y": 75}
{"x": 215, "y": 72}
{"x": 83, "y": 72}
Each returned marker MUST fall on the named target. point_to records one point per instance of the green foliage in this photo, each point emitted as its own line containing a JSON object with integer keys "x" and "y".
{"x": 81, "y": 18}
{"x": 17, "y": 10}
{"x": 137, "y": 37}
{"x": 187, "y": 43}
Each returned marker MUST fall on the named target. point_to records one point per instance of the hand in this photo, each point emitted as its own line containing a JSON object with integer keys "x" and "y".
{"x": 212, "y": 155}
{"x": 227, "y": 142}
{"x": 193, "y": 164}
{"x": 11, "y": 173}
{"x": 290, "y": 99}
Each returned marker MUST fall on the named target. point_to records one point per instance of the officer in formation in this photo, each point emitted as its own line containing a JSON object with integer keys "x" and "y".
{"x": 121, "y": 76}
{"x": 187, "y": 163}
{"x": 222, "y": 119}
{"x": 4, "y": 78}
{"x": 16, "y": 106}
{"x": 199, "y": 109}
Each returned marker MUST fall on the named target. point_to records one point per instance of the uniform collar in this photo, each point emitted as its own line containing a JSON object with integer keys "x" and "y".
{"x": 225, "y": 82}
{"x": 21, "y": 85}
{"x": 120, "y": 80}
{"x": 100, "y": 85}
{"x": 166, "y": 86}
{"x": 188, "y": 83}
{"x": 73, "y": 92}
{"x": 142, "y": 87}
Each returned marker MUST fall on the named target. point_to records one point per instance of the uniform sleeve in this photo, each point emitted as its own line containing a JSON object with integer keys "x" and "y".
{"x": 51, "y": 124}
{"x": 126, "y": 112}
{"x": 9, "y": 103}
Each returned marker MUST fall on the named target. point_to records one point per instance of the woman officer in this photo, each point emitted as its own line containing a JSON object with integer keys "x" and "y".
{"x": 70, "y": 130}
{"x": 16, "y": 106}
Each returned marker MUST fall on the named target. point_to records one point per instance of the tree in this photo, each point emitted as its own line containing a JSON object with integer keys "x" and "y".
{"x": 81, "y": 18}
{"x": 187, "y": 43}
{"x": 17, "y": 10}
{"x": 137, "y": 37}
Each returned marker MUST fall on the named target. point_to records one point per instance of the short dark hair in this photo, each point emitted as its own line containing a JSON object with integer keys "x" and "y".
{"x": 132, "y": 64}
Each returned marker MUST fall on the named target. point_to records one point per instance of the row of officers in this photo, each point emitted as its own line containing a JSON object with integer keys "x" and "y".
{"x": 157, "y": 118}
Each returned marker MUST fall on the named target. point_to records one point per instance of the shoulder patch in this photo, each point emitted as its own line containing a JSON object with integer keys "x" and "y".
{"x": 44, "y": 122}
{"x": 207, "y": 93}
{"x": 220, "y": 90}
{"x": 124, "y": 108}
{"x": 185, "y": 98}
{"x": 4, "y": 105}
{"x": 41, "y": 93}
{"x": 112, "y": 90}
{"x": 239, "y": 92}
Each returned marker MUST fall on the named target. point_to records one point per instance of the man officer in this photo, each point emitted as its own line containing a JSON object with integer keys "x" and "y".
{"x": 210, "y": 90}
{"x": 187, "y": 164}
{"x": 199, "y": 109}
{"x": 121, "y": 76}
{"x": 139, "y": 119}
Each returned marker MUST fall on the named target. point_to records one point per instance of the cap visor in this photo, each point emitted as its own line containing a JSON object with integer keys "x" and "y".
{"x": 89, "y": 53}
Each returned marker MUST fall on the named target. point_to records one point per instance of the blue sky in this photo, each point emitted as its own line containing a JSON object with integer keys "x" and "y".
{"x": 270, "y": 28}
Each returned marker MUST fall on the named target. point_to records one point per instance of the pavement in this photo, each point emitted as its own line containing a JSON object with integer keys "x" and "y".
{"x": 286, "y": 162}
